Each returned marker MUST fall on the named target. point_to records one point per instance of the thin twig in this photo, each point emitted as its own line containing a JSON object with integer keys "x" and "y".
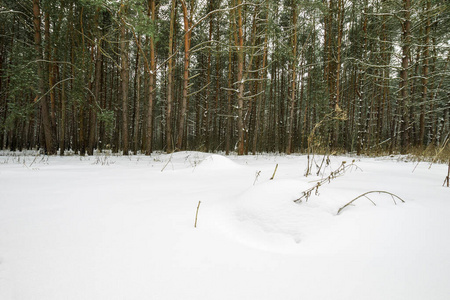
{"x": 370, "y": 200}
{"x": 34, "y": 159}
{"x": 168, "y": 161}
{"x": 393, "y": 199}
{"x": 256, "y": 177}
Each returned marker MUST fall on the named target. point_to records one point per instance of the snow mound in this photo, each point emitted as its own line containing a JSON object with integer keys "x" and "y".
{"x": 216, "y": 161}
{"x": 269, "y": 207}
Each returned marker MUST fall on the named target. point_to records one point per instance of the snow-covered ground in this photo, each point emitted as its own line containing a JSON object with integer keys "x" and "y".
{"x": 118, "y": 227}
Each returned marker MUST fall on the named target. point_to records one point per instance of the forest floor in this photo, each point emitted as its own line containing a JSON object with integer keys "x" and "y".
{"x": 122, "y": 227}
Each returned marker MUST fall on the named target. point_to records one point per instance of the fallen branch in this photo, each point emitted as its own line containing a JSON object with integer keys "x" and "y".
{"x": 334, "y": 174}
{"x": 371, "y": 192}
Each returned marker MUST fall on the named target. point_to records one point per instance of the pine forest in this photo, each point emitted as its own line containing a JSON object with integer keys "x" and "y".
{"x": 365, "y": 77}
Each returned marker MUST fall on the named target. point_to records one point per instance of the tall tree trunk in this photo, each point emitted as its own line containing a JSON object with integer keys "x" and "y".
{"x": 207, "y": 109}
{"x": 169, "y": 130}
{"x": 95, "y": 102}
{"x": 62, "y": 128}
{"x": 340, "y": 29}
{"x": 339, "y": 46}
{"x": 217, "y": 134}
{"x": 229, "y": 119}
{"x": 50, "y": 69}
{"x": 137, "y": 106}
{"x": 48, "y": 134}
{"x": 124, "y": 78}
{"x": 152, "y": 79}
{"x": 262, "y": 89}
{"x": 425, "y": 69}
{"x": 293, "y": 84}
{"x": 81, "y": 115}
{"x": 404, "y": 80}
{"x": 184, "y": 102}
{"x": 360, "y": 77}
{"x": 240, "y": 79}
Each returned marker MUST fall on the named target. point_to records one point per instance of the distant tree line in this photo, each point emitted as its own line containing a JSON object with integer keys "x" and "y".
{"x": 224, "y": 75}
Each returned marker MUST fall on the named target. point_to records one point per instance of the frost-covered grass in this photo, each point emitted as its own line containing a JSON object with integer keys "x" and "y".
{"x": 122, "y": 227}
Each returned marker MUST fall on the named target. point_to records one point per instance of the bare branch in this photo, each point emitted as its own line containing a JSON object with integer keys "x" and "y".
{"x": 365, "y": 195}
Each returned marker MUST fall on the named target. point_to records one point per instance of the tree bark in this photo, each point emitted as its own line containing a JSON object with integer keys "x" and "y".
{"x": 152, "y": 79}
{"x": 124, "y": 81}
{"x": 240, "y": 79}
{"x": 293, "y": 84}
{"x": 137, "y": 102}
{"x": 425, "y": 69}
{"x": 169, "y": 130}
{"x": 404, "y": 80}
{"x": 96, "y": 100}
{"x": 48, "y": 134}
{"x": 187, "y": 46}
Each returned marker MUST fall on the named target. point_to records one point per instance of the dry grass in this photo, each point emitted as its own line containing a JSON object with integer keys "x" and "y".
{"x": 432, "y": 153}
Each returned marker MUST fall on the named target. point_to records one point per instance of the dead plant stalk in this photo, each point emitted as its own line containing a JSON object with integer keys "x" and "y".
{"x": 334, "y": 174}
{"x": 447, "y": 179}
{"x": 196, "y": 214}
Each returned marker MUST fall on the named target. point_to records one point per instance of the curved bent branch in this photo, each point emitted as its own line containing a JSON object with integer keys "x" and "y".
{"x": 371, "y": 192}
